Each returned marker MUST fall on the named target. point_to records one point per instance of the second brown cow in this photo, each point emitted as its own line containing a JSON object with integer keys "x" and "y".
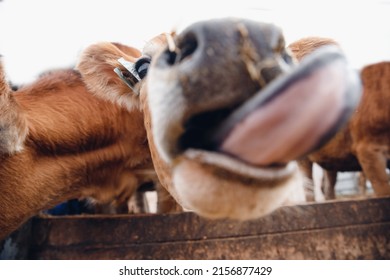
{"x": 364, "y": 144}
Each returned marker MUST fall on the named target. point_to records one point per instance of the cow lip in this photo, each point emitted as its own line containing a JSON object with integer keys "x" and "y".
{"x": 240, "y": 168}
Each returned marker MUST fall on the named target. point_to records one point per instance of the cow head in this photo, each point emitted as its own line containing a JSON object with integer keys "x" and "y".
{"x": 190, "y": 88}
{"x": 230, "y": 112}
{"x": 227, "y": 112}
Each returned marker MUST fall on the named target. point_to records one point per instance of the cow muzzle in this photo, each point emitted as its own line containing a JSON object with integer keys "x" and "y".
{"x": 226, "y": 96}
{"x": 207, "y": 73}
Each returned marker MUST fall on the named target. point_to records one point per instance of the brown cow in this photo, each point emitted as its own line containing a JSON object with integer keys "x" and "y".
{"x": 197, "y": 81}
{"x": 364, "y": 144}
{"x": 58, "y": 141}
{"x": 96, "y": 65}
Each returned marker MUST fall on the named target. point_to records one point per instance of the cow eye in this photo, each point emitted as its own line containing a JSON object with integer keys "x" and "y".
{"x": 141, "y": 66}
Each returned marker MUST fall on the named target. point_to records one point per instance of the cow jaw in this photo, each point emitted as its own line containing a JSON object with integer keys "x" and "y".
{"x": 217, "y": 186}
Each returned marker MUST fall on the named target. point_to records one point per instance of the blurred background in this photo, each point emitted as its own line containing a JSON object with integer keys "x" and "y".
{"x": 37, "y": 35}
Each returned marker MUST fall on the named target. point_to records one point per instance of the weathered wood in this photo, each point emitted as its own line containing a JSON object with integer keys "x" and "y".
{"x": 353, "y": 242}
{"x": 351, "y": 229}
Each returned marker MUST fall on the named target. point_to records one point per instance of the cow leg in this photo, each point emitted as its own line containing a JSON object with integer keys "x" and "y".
{"x": 306, "y": 167}
{"x": 138, "y": 203}
{"x": 362, "y": 184}
{"x": 329, "y": 183}
{"x": 373, "y": 161}
{"x": 165, "y": 202}
{"x": 142, "y": 201}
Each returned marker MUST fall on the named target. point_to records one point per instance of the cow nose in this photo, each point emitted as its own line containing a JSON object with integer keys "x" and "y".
{"x": 203, "y": 45}
{"x": 185, "y": 48}
{"x": 215, "y": 49}
{"x": 224, "y": 61}
{"x": 207, "y": 51}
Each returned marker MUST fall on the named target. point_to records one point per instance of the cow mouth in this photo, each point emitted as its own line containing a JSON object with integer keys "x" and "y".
{"x": 200, "y": 128}
{"x": 201, "y": 139}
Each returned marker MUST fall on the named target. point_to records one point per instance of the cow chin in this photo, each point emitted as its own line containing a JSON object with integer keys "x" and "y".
{"x": 215, "y": 185}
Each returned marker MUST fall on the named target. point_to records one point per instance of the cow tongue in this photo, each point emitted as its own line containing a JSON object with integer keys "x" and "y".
{"x": 295, "y": 113}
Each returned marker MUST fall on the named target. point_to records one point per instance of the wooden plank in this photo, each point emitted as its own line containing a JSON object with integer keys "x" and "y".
{"x": 17, "y": 245}
{"x": 74, "y": 230}
{"x": 351, "y": 242}
{"x": 348, "y": 229}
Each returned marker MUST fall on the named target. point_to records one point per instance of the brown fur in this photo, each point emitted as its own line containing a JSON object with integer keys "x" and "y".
{"x": 104, "y": 55}
{"x": 364, "y": 144}
{"x": 74, "y": 145}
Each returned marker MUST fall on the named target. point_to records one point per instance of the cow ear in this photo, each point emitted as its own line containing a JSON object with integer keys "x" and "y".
{"x": 96, "y": 65}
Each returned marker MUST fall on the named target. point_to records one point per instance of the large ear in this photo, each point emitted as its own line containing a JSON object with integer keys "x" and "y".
{"x": 96, "y": 65}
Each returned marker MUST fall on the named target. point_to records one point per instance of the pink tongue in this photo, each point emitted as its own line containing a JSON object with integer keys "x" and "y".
{"x": 293, "y": 123}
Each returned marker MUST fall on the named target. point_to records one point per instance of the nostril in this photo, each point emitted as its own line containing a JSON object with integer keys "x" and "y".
{"x": 187, "y": 46}
{"x": 183, "y": 49}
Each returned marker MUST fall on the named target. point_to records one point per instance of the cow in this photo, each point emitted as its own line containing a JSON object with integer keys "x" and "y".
{"x": 364, "y": 144}
{"x": 58, "y": 141}
{"x": 205, "y": 94}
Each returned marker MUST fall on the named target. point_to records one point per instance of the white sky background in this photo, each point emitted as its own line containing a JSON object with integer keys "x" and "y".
{"x": 38, "y": 35}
